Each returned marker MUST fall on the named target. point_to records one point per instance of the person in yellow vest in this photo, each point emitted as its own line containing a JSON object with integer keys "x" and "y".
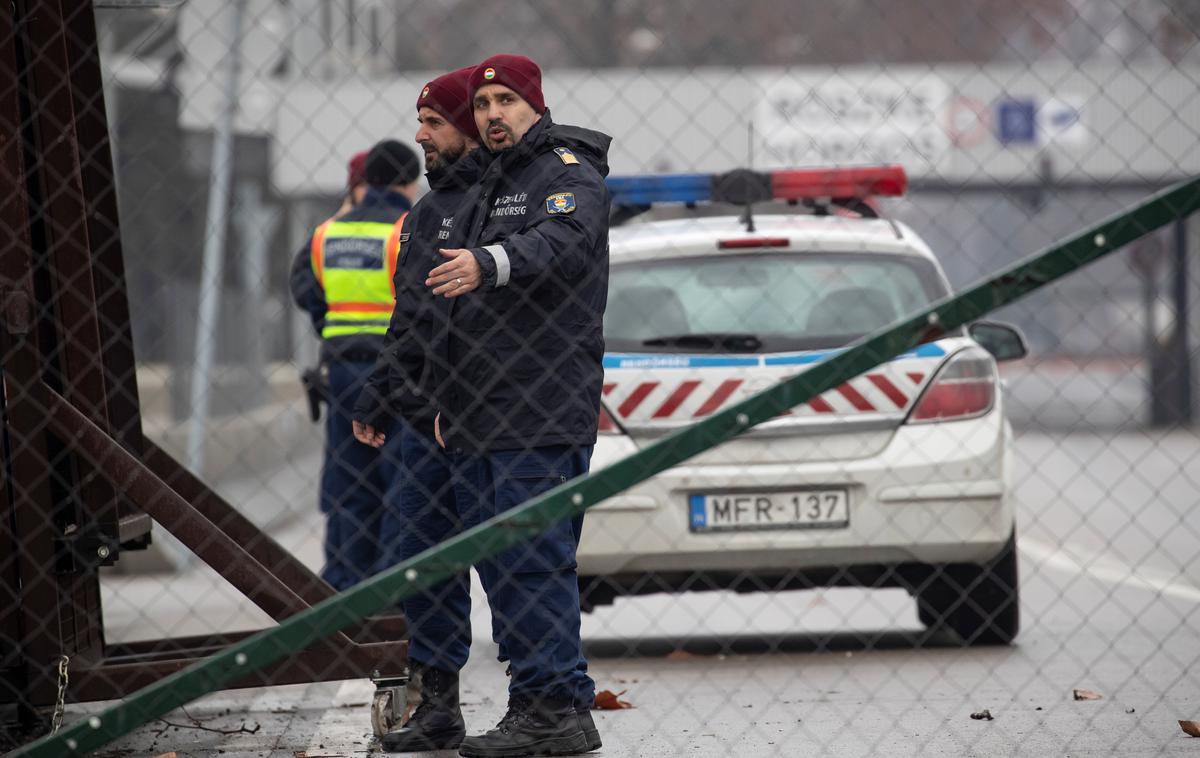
{"x": 343, "y": 279}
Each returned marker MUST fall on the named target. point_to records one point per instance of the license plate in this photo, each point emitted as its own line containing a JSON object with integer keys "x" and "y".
{"x": 743, "y": 511}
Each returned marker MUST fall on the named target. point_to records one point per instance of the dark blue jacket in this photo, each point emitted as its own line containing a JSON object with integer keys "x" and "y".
{"x": 518, "y": 362}
{"x": 399, "y": 383}
{"x": 378, "y": 204}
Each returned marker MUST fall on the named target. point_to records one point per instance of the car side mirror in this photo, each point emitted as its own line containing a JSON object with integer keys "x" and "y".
{"x": 1004, "y": 342}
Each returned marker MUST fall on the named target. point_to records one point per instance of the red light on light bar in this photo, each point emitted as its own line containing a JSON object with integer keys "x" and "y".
{"x": 814, "y": 184}
{"x": 753, "y": 242}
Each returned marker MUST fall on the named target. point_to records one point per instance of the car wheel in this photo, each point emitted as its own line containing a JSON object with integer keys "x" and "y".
{"x": 979, "y": 603}
{"x": 595, "y": 591}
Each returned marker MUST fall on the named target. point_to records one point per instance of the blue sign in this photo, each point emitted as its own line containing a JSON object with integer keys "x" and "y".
{"x": 1016, "y": 121}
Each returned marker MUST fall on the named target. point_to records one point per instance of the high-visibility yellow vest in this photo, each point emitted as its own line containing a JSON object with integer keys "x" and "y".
{"x": 355, "y": 263}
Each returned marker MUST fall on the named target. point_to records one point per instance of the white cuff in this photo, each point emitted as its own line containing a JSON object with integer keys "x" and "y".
{"x": 502, "y": 265}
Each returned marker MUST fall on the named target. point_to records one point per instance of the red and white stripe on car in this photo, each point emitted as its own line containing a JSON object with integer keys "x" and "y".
{"x": 643, "y": 392}
{"x": 653, "y": 399}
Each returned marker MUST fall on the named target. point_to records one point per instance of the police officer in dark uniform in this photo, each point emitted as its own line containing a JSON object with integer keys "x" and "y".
{"x": 343, "y": 279}
{"x": 517, "y": 372}
{"x": 394, "y": 389}
{"x": 422, "y": 512}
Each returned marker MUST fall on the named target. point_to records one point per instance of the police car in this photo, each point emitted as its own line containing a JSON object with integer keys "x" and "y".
{"x": 900, "y": 477}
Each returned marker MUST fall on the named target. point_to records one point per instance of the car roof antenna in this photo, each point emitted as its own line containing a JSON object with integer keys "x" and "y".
{"x": 748, "y": 214}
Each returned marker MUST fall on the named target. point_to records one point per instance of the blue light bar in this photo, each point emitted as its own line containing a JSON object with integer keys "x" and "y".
{"x": 660, "y": 188}
{"x": 742, "y": 186}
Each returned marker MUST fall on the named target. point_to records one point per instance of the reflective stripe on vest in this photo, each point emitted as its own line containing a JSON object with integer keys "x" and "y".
{"x": 354, "y": 262}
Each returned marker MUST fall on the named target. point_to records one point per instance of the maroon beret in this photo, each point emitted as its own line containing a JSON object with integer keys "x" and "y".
{"x": 356, "y": 170}
{"x": 518, "y": 73}
{"x": 448, "y": 95}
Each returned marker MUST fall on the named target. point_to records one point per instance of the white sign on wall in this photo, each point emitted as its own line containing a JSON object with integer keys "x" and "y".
{"x": 1060, "y": 119}
{"x": 853, "y": 118}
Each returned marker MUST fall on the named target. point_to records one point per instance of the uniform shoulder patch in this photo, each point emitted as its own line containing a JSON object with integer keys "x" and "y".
{"x": 560, "y": 202}
{"x": 565, "y": 154}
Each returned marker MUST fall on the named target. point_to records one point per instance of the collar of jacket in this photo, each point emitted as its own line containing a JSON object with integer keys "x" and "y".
{"x": 493, "y": 167}
{"x": 459, "y": 175}
{"x": 531, "y": 144}
{"x": 382, "y": 197}
{"x": 588, "y": 144}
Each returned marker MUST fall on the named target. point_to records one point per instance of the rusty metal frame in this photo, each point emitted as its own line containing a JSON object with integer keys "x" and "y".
{"x": 30, "y": 589}
{"x": 79, "y": 480}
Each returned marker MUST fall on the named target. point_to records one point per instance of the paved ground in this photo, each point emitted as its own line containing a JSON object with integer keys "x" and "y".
{"x": 1111, "y": 602}
{"x": 1063, "y": 394}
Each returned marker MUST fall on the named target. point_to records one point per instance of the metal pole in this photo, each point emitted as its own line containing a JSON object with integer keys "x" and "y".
{"x": 111, "y": 85}
{"x": 214, "y": 247}
{"x": 256, "y": 225}
{"x": 305, "y": 351}
{"x": 1159, "y": 403}
{"x": 1182, "y": 359}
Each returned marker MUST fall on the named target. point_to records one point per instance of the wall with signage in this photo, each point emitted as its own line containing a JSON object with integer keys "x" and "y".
{"x": 960, "y": 124}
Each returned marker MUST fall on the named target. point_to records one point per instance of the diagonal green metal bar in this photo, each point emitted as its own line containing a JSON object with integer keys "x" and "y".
{"x": 574, "y": 497}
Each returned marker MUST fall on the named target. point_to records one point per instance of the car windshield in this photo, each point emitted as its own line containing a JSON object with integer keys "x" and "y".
{"x": 762, "y": 302}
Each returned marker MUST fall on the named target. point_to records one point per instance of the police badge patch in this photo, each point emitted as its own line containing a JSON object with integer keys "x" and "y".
{"x": 560, "y": 202}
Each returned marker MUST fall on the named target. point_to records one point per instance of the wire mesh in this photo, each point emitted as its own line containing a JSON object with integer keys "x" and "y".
{"x": 934, "y": 533}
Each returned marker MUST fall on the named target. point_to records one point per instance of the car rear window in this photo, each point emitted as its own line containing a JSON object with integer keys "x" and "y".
{"x": 762, "y": 302}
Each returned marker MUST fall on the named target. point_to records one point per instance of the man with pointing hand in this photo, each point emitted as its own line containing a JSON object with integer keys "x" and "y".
{"x": 516, "y": 374}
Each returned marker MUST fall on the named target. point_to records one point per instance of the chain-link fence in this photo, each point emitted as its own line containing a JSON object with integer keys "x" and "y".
{"x": 861, "y": 474}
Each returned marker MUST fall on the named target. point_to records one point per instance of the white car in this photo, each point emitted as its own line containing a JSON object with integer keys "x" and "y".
{"x": 901, "y": 477}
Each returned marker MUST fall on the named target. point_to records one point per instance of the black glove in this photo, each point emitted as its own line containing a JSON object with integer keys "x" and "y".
{"x": 316, "y": 386}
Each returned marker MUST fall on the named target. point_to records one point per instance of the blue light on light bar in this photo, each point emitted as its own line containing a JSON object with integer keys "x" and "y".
{"x": 660, "y": 188}
{"x": 748, "y": 186}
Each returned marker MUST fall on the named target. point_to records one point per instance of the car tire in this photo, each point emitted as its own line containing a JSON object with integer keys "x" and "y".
{"x": 981, "y": 604}
{"x": 595, "y": 591}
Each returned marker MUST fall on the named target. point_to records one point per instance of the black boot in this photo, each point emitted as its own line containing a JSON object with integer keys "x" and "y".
{"x": 437, "y": 723}
{"x": 590, "y": 732}
{"x": 530, "y": 728}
